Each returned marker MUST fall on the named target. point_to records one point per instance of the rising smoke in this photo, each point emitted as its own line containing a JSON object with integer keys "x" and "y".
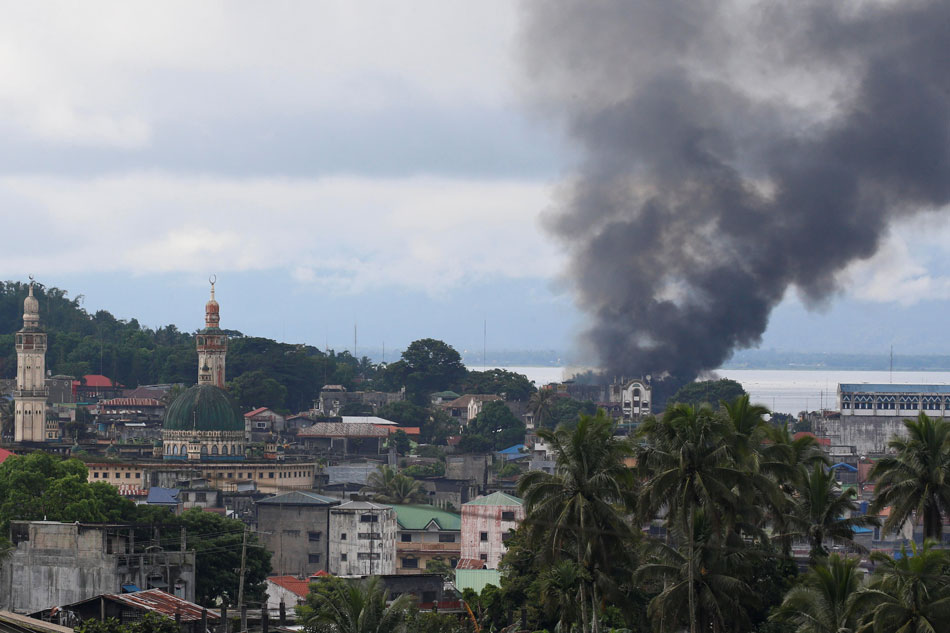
{"x": 729, "y": 151}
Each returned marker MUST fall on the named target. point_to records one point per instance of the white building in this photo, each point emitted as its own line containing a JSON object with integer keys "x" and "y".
{"x": 486, "y": 524}
{"x": 362, "y": 539}
{"x": 634, "y": 397}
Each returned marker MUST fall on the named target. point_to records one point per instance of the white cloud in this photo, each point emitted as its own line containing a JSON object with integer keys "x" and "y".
{"x": 907, "y": 268}
{"x": 107, "y": 72}
{"x": 347, "y": 234}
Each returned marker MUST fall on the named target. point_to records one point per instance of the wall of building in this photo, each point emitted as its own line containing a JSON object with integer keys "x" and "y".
{"x": 353, "y": 555}
{"x": 270, "y": 477}
{"x": 286, "y": 533}
{"x": 492, "y": 521}
{"x": 425, "y": 546}
{"x": 869, "y": 435}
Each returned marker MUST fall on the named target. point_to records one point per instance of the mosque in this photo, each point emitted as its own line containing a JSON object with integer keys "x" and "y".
{"x": 203, "y": 433}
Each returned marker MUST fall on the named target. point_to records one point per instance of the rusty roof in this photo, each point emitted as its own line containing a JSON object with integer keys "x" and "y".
{"x": 342, "y": 429}
{"x": 130, "y": 402}
{"x": 470, "y": 563}
{"x": 292, "y": 584}
{"x": 163, "y": 603}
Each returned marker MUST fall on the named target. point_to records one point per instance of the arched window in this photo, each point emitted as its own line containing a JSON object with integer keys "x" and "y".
{"x": 224, "y": 449}
{"x": 845, "y": 402}
{"x": 636, "y": 392}
{"x": 214, "y": 449}
{"x": 174, "y": 449}
{"x": 204, "y": 449}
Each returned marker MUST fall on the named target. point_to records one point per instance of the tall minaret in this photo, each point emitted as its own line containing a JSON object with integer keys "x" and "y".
{"x": 29, "y": 417}
{"x": 212, "y": 346}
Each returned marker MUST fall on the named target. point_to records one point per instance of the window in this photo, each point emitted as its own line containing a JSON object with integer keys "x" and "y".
{"x": 184, "y": 496}
{"x": 369, "y": 518}
{"x": 369, "y": 536}
{"x": 410, "y": 563}
{"x": 483, "y": 557}
{"x": 230, "y": 475}
{"x": 483, "y": 536}
{"x": 446, "y": 538}
{"x": 138, "y": 475}
{"x": 313, "y": 558}
{"x": 201, "y": 496}
{"x": 270, "y": 475}
{"x": 506, "y": 536}
{"x": 367, "y": 556}
{"x": 343, "y": 536}
{"x": 406, "y": 538}
{"x": 314, "y": 536}
{"x": 508, "y": 515}
{"x": 128, "y": 475}
{"x": 342, "y": 558}
{"x": 95, "y": 475}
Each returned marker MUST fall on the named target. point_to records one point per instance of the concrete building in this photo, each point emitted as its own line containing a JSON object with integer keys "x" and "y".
{"x": 30, "y": 408}
{"x": 269, "y": 477}
{"x": 468, "y": 407}
{"x": 333, "y": 398}
{"x": 56, "y": 563}
{"x": 362, "y": 539}
{"x": 289, "y": 590}
{"x": 425, "y": 534}
{"x": 344, "y": 439}
{"x": 486, "y": 524}
{"x": 263, "y": 421}
{"x": 295, "y": 528}
{"x": 634, "y": 397}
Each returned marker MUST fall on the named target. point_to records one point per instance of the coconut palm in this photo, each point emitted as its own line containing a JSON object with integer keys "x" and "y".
{"x": 824, "y": 600}
{"x": 821, "y": 512}
{"x": 356, "y": 608}
{"x": 559, "y": 587}
{"x": 540, "y": 405}
{"x": 910, "y": 593}
{"x": 387, "y": 485}
{"x": 687, "y": 467}
{"x": 579, "y": 509}
{"x": 713, "y": 576}
{"x": 916, "y": 480}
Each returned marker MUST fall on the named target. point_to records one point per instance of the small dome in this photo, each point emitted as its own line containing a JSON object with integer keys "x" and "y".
{"x": 31, "y": 307}
{"x": 203, "y": 408}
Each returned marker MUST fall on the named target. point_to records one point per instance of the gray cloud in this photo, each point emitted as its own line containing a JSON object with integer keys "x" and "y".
{"x": 731, "y": 152}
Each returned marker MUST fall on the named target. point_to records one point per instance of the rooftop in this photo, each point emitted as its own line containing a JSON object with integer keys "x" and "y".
{"x": 160, "y": 602}
{"x": 340, "y": 429}
{"x": 419, "y": 517}
{"x": 292, "y": 584}
{"x": 867, "y": 387}
{"x": 299, "y": 498}
{"x": 464, "y": 401}
{"x": 496, "y": 499}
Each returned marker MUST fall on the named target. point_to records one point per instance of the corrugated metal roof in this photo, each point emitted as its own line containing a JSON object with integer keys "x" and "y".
{"x": 418, "y": 517}
{"x": 161, "y": 602}
{"x": 892, "y": 388}
{"x": 476, "y": 579}
{"x": 496, "y": 499}
{"x": 292, "y": 584}
{"x": 339, "y": 429}
{"x": 130, "y": 402}
{"x": 299, "y": 498}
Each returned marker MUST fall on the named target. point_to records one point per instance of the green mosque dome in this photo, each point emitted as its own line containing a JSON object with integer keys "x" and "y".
{"x": 203, "y": 408}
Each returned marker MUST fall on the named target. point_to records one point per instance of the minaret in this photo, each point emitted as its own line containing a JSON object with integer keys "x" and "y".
{"x": 29, "y": 417}
{"x": 212, "y": 346}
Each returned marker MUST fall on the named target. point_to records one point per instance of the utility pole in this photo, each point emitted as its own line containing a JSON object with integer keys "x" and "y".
{"x": 241, "y": 581}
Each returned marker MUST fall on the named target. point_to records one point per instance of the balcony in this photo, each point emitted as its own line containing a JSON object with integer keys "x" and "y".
{"x": 429, "y": 547}
{"x": 30, "y": 393}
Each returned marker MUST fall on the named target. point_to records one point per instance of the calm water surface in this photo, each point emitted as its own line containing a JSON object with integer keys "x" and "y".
{"x": 782, "y": 390}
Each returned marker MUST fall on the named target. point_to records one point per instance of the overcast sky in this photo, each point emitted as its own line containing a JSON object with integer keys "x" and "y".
{"x": 332, "y": 163}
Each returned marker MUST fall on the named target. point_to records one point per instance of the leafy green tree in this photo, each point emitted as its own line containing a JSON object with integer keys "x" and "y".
{"x": 500, "y": 382}
{"x": 578, "y": 510}
{"x": 429, "y": 365}
{"x": 404, "y": 413}
{"x": 916, "y": 480}
{"x": 909, "y": 593}
{"x": 710, "y": 392}
{"x": 255, "y": 389}
{"x": 400, "y": 440}
{"x": 387, "y": 485}
{"x": 340, "y": 607}
{"x": 437, "y": 428}
{"x": 824, "y": 601}
{"x": 151, "y": 622}
{"x": 560, "y": 586}
{"x": 496, "y": 427}
{"x": 357, "y": 409}
{"x": 566, "y": 412}
{"x": 822, "y": 512}
{"x": 540, "y": 405}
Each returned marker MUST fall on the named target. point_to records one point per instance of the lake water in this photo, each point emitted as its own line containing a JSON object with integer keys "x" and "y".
{"x": 783, "y": 390}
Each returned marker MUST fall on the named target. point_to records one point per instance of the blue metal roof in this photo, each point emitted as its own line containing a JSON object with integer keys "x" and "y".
{"x": 892, "y": 388}
{"x": 512, "y": 450}
{"x": 845, "y": 466}
{"x": 130, "y": 588}
{"x": 162, "y": 496}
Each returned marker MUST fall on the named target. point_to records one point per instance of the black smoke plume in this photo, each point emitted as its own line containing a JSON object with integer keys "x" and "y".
{"x": 729, "y": 151}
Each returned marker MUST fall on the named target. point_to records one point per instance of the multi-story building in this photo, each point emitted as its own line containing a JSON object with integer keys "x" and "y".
{"x": 425, "y": 534}
{"x": 362, "y": 539}
{"x": 295, "y": 528}
{"x": 486, "y": 524}
{"x": 54, "y": 563}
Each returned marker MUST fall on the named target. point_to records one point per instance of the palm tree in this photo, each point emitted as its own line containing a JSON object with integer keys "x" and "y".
{"x": 356, "y": 608}
{"x": 818, "y": 513}
{"x": 916, "y": 480}
{"x": 387, "y": 485}
{"x": 824, "y": 599}
{"x": 721, "y": 597}
{"x": 910, "y": 593}
{"x": 540, "y": 405}
{"x": 687, "y": 468}
{"x": 559, "y": 587}
{"x": 579, "y": 509}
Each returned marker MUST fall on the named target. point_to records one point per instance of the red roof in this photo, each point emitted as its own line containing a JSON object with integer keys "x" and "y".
{"x": 4, "y": 453}
{"x": 408, "y": 430}
{"x": 251, "y": 414}
{"x": 292, "y": 584}
{"x": 164, "y": 603}
{"x": 470, "y": 563}
{"x": 822, "y": 441}
{"x": 97, "y": 380}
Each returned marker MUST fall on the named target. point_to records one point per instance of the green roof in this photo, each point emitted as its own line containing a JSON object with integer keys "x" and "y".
{"x": 496, "y": 499}
{"x": 476, "y": 579}
{"x": 299, "y": 498}
{"x": 418, "y": 517}
{"x": 203, "y": 408}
